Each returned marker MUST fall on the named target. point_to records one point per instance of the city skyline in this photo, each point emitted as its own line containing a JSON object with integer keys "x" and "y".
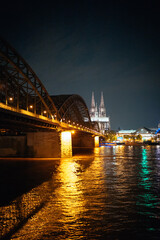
{"x": 80, "y": 47}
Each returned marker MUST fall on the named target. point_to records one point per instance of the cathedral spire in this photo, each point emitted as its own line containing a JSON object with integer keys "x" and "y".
{"x": 93, "y": 101}
{"x": 98, "y": 115}
{"x": 102, "y": 110}
{"x": 93, "y": 106}
{"x": 102, "y": 101}
{"x": 96, "y": 109}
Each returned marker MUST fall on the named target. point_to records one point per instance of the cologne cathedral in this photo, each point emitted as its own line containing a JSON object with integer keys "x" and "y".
{"x": 99, "y": 115}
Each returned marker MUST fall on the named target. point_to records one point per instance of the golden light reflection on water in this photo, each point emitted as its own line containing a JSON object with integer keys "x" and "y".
{"x": 88, "y": 196}
{"x": 70, "y": 195}
{"x": 76, "y": 183}
{"x": 77, "y": 197}
{"x": 19, "y": 210}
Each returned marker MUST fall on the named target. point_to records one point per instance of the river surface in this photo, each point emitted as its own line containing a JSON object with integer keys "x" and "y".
{"x": 113, "y": 193}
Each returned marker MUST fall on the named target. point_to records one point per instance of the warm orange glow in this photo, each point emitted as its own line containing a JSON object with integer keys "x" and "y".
{"x": 30, "y": 112}
{"x": 96, "y": 141}
{"x": 11, "y": 99}
{"x": 66, "y": 144}
{"x": 72, "y": 131}
{"x": 72, "y": 202}
{"x": 66, "y": 135}
{"x": 44, "y": 111}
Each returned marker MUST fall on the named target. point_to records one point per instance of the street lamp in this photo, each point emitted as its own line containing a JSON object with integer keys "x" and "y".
{"x": 10, "y": 99}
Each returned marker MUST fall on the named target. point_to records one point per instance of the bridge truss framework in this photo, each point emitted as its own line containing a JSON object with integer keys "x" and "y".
{"x": 21, "y": 91}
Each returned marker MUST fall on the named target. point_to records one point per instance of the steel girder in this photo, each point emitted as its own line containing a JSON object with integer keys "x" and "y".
{"x": 19, "y": 85}
{"x": 21, "y": 88}
{"x": 72, "y": 108}
{"x": 18, "y": 122}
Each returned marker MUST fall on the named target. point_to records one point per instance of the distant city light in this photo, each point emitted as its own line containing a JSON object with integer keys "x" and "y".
{"x": 11, "y": 99}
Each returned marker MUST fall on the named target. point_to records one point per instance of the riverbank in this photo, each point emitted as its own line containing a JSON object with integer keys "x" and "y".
{"x": 129, "y": 144}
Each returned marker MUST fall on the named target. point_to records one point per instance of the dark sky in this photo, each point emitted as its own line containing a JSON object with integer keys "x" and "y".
{"x": 80, "y": 46}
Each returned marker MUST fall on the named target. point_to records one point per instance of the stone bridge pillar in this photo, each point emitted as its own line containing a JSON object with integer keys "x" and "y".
{"x": 66, "y": 144}
{"x": 82, "y": 142}
{"x": 43, "y": 144}
{"x": 49, "y": 144}
{"x": 96, "y": 141}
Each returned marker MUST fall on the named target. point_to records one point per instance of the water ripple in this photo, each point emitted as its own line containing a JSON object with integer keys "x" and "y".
{"x": 113, "y": 194}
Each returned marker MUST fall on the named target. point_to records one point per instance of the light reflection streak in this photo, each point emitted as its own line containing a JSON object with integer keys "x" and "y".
{"x": 93, "y": 195}
{"x": 145, "y": 172}
{"x": 157, "y": 159}
{"x": 147, "y": 199}
{"x": 76, "y": 181}
{"x": 75, "y": 201}
{"x": 21, "y": 209}
{"x": 69, "y": 195}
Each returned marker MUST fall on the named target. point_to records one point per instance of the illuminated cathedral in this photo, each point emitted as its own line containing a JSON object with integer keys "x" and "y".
{"x": 99, "y": 115}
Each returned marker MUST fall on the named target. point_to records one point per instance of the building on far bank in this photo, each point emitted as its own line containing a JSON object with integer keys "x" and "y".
{"x": 99, "y": 115}
{"x": 158, "y": 133}
{"x": 146, "y": 134}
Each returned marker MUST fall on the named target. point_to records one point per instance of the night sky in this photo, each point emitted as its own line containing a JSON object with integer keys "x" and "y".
{"x": 80, "y": 46}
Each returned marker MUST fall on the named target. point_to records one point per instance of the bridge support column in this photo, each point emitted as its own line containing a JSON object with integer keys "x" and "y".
{"x": 96, "y": 141}
{"x": 66, "y": 144}
{"x": 44, "y": 144}
{"x": 12, "y": 146}
{"x": 83, "y": 143}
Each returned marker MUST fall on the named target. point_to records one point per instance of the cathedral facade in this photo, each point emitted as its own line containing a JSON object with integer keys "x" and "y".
{"x": 99, "y": 114}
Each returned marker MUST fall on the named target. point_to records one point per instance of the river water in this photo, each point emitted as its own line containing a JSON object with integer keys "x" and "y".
{"x": 113, "y": 193}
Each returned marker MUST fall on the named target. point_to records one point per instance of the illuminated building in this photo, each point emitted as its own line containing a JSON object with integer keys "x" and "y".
{"x": 147, "y": 134}
{"x": 99, "y": 116}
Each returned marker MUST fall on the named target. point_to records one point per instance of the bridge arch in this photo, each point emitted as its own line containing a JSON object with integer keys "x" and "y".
{"x": 21, "y": 89}
{"x": 19, "y": 85}
{"x": 72, "y": 109}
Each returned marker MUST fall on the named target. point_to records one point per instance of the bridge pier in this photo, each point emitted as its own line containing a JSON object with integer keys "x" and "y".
{"x": 82, "y": 142}
{"x": 66, "y": 144}
{"x": 96, "y": 141}
{"x": 11, "y": 146}
{"x": 63, "y": 144}
{"x": 48, "y": 144}
{"x": 43, "y": 144}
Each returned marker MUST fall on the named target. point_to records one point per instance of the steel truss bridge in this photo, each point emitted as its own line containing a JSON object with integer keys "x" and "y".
{"x": 25, "y": 104}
